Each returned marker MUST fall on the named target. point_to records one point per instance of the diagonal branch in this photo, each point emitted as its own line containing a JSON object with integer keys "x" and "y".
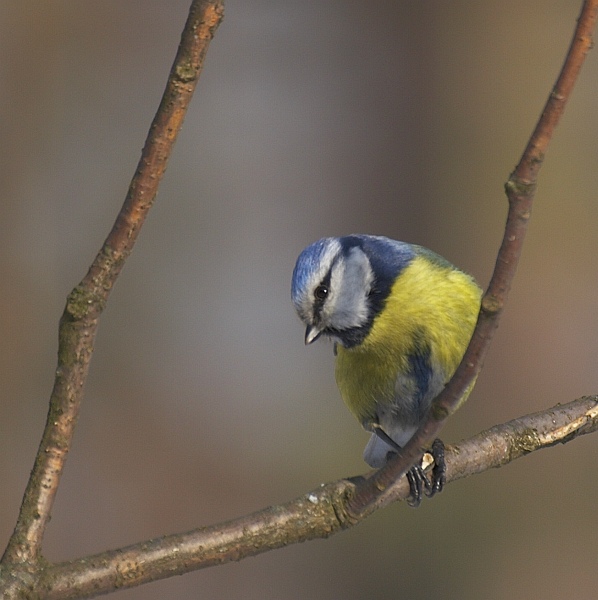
{"x": 317, "y": 514}
{"x": 520, "y": 189}
{"x": 79, "y": 322}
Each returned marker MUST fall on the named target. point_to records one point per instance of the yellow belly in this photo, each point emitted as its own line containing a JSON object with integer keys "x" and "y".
{"x": 428, "y": 301}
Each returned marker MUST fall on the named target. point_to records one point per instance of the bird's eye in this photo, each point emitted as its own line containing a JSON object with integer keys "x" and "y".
{"x": 320, "y": 293}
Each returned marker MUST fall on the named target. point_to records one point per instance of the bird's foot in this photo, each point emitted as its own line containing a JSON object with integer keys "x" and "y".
{"x": 420, "y": 484}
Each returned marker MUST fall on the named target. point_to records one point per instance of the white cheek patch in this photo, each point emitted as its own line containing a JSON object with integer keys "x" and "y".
{"x": 350, "y": 283}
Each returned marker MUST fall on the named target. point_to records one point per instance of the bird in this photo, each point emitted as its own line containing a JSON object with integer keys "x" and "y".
{"x": 400, "y": 317}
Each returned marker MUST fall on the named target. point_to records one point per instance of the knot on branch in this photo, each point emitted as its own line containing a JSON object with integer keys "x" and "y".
{"x": 524, "y": 442}
{"x": 187, "y": 72}
{"x": 516, "y": 187}
{"x": 440, "y": 411}
{"x": 80, "y": 302}
{"x": 491, "y": 304}
{"x": 339, "y": 495}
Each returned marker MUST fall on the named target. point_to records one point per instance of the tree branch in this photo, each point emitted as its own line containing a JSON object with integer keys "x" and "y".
{"x": 330, "y": 508}
{"x": 520, "y": 188}
{"x": 317, "y": 514}
{"x": 79, "y": 322}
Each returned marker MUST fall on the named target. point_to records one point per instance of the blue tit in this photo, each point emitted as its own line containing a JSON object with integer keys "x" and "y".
{"x": 401, "y": 318}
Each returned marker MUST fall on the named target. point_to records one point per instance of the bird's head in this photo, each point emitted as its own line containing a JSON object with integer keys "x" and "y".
{"x": 339, "y": 285}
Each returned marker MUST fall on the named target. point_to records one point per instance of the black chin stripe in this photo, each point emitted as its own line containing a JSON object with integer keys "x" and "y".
{"x": 352, "y": 337}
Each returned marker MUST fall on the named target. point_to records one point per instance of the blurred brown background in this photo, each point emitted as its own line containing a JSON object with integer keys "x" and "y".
{"x": 312, "y": 118}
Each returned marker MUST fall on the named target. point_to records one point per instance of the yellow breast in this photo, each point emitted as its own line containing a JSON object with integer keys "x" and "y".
{"x": 430, "y": 301}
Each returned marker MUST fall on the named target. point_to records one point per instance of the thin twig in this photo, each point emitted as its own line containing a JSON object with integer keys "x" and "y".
{"x": 520, "y": 189}
{"x": 317, "y": 514}
{"x": 79, "y": 322}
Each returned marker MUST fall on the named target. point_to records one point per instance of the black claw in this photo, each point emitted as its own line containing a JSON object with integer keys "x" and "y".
{"x": 417, "y": 482}
{"x": 438, "y": 479}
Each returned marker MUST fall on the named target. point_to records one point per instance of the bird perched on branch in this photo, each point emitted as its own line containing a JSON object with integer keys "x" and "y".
{"x": 401, "y": 318}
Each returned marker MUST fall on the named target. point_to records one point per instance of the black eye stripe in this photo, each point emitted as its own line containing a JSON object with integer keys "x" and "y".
{"x": 321, "y": 291}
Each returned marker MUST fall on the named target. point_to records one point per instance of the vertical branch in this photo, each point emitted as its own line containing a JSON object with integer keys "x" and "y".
{"x": 520, "y": 188}
{"x": 79, "y": 322}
